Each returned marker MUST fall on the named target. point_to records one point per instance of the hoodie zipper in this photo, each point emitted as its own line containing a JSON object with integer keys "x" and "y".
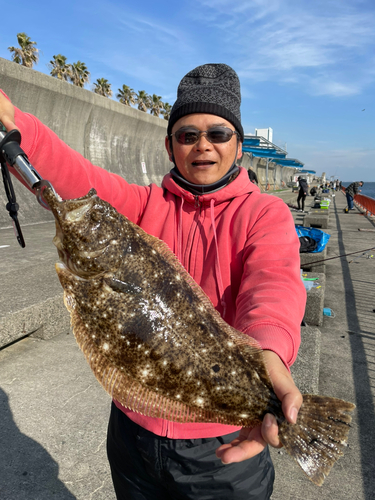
{"x": 197, "y": 203}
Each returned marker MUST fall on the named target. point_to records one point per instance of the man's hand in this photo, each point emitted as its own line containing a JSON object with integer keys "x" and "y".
{"x": 7, "y": 113}
{"x": 252, "y": 441}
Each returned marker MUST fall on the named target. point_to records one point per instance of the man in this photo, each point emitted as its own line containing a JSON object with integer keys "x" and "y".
{"x": 302, "y": 193}
{"x": 238, "y": 244}
{"x": 351, "y": 191}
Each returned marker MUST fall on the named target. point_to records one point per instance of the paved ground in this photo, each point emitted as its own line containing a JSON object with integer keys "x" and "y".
{"x": 54, "y": 414}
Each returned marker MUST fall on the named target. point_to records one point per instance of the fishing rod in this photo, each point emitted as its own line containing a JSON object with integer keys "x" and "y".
{"x": 343, "y": 255}
{"x": 12, "y": 154}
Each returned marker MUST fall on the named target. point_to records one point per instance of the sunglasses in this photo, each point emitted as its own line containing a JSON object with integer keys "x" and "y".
{"x": 215, "y": 135}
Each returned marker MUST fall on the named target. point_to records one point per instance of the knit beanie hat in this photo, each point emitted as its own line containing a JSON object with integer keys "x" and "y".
{"x": 213, "y": 89}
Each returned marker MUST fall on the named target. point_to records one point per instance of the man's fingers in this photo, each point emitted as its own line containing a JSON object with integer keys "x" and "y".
{"x": 242, "y": 448}
{"x": 270, "y": 431}
{"x": 7, "y": 113}
{"x": 291, "y": 404}
{"x": 8, "y": 123}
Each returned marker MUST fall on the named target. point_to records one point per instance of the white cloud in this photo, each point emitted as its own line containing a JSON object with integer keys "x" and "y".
{"x": 289, "y": 41}
{"x": 333, "y": 88}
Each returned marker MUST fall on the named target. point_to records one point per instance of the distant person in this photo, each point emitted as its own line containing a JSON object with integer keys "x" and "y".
{"x": 302, "y": 193}
{"x": 338, "y": 185}
{"x": 252, "y": 175}
{"x": 351, "y": 191}
{"x": 313, "y": 191}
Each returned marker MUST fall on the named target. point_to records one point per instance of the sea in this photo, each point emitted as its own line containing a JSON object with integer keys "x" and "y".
{"x": 368, "y": 188}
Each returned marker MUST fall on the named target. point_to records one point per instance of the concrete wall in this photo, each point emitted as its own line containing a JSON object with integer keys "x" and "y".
{"x": 111, "y": 135}
{"x": 278, "y": 176}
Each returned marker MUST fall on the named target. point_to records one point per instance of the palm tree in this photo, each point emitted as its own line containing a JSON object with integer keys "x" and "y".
{"x": 143, "y": 101}
{"x": 102, "y": 87}
{"x": 126, "y": 95}
{"x": 166, "y": 112}
{"x": 78, "y": 74}
{"x": 156, "y": 105}
{"x": 27, "y": 55}
{"x": 59, "y": 68}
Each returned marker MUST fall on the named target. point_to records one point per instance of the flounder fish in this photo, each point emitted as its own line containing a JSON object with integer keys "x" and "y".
{"x": 157, "y": 345}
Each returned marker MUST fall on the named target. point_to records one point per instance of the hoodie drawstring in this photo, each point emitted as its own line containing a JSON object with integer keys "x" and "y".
{"x": 179, "y": 232}
{"x": 217, "y": 261}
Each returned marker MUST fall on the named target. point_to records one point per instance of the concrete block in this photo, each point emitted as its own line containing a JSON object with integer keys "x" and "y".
{"x": 316, "y": 220}
{"x": 307, "y": 259}
{"x": 315, "y": 300}
{"x": 319, "y": 211}
{"x": 44, "y": 320}
{"x": 305, "y": 370}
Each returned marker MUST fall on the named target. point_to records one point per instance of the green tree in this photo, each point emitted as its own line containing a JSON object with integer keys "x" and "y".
{"x": 166, "y": 111}
{"x": 126, "y": 95}
{"x": 143, "y": 101}
{"x": 102, "y": 87}
{"x": 27, "y": 53}
{"x": 156, "y": 105}
{"x": 78, "y": 74}
{"x": 59, "y": 68}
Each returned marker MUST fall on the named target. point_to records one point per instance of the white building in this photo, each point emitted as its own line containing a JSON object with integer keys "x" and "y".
{"x": 267, "y": 133}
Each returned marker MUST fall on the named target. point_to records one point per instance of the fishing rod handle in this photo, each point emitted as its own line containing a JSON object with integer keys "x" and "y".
{"x": 12, "y": 153}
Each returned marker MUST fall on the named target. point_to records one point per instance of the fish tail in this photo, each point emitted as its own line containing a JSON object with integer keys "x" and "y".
{"x": 319, "y": 436}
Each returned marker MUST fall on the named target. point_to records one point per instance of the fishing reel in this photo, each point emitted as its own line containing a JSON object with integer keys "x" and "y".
{"x": 12, "y": 154}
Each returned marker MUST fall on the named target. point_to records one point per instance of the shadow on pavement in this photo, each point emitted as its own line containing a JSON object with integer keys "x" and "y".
{"x": 355, "y": 287}
{"x": 27, "y": 470}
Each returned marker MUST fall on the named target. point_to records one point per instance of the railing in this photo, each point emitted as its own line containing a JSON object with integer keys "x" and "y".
{"x": 366, "y": 203}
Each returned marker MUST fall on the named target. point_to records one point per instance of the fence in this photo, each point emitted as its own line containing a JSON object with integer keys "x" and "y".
{"x": 365, "y": 203}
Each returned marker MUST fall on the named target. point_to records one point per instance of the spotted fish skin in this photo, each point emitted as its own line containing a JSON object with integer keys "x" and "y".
{"x": 156, "y": 343}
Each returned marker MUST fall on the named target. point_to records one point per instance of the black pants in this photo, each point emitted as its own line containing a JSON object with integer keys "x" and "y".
{"x": 145, "y": 466}
{"x": 302, "y": 197}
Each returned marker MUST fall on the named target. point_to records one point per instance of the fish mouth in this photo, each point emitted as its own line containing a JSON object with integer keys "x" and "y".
{"x": 76, "y": 265}
{"x": 62, "y": 268}
{"x": 57, "y": 204}
{"x": 72, "y": 212}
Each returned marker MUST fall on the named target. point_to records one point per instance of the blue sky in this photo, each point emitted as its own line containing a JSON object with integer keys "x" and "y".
{"x": 307, "y": 69}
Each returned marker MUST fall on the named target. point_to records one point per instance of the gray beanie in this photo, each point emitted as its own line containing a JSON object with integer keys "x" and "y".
{"x": 213, "y": 89}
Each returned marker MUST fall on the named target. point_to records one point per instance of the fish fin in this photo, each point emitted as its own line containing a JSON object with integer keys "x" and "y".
{"x": 69, "y": 302}
{"x": 320, "y": 435}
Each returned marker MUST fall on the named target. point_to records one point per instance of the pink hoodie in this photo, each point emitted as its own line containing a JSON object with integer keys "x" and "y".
{"x": 239, "y": 245}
